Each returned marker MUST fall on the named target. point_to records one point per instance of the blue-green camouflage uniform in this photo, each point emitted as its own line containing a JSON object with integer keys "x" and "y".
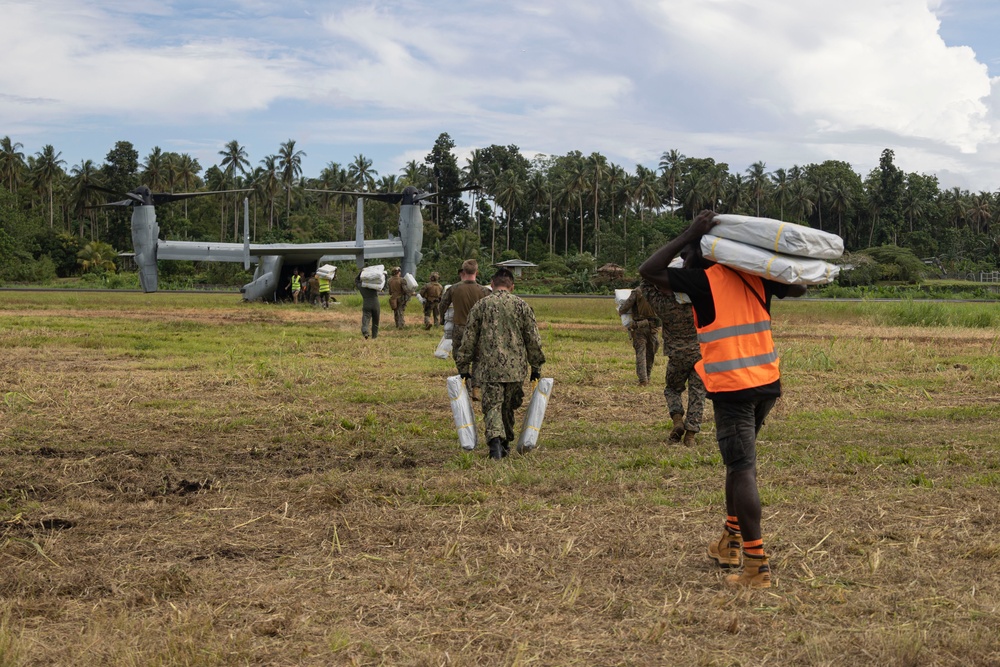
{"x": 501, "y": 341}
{"x": 680, "y": 344}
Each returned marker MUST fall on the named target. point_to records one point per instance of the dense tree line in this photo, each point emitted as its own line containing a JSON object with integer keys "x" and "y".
{"x": 553, "y": 209}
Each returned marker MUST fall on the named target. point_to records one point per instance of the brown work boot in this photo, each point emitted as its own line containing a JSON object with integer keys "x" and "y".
{"x": 474, "y": 393}
{"x": 689, "y": 438}
{"x": 756, "y": 573}
{"x": 726, "y": 550}
{"x": 677, "y": 432}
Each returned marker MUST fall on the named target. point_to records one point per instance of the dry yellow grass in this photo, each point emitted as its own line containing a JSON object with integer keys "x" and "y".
{"x": 187, "y": 480}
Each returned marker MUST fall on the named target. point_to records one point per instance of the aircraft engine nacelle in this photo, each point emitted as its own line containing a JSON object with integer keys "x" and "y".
{"x": 411, "y": 233}
{"x": 265, "y": 279}
{"x": 145, "y": 236}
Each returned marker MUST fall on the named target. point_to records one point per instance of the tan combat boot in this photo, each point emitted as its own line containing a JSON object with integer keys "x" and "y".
{"x": 756, "y": 573}
{"x": 689, "y": 438}
{"x": 677, "y": 432}
{"x": 726, "y": 550}
{"x": 474, "y": 393}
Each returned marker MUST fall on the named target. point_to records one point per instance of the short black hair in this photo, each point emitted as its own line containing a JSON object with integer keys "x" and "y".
{"x": 503, "y": 276}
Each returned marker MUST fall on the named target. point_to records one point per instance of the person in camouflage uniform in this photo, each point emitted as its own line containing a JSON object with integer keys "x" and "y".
{"x": 501, "y": 337}
{"x": 431, "y": 294}
{"x": 461, "y": 297}
{"x": 680, "y": 344}
{"x": 399, "y": 296}
{"x": 644, "y": 331}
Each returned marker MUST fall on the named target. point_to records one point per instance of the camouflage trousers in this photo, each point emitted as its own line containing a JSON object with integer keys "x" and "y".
{"x": 681, "y": 372}
{"x": 645, "y": 340}
{"x": 399, "y": 312}
{"x": 431, "y": 308}
{"x": 499, "y": 400}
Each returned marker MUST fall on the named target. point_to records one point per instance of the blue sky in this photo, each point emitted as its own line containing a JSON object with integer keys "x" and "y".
{"x": 738, "y": 80}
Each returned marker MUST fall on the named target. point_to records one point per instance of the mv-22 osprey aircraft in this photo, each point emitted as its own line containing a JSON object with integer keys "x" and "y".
{"x": 270, "y": 257}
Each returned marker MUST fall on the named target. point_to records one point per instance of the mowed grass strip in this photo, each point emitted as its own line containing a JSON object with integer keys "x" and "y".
{"x": 187, "y": 479}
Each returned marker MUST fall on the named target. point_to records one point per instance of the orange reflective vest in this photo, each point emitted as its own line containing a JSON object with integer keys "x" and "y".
{"x": 737, "y": 351}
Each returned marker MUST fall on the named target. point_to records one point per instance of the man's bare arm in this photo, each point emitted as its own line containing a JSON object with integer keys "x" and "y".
{"x": 654, "y": 269}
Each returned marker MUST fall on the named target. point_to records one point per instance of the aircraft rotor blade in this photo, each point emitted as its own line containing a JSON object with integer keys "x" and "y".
{"x": 388, "y": 197}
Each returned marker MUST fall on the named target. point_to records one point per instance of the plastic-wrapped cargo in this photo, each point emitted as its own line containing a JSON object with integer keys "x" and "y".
{"x": 373, "y": 277}
{"x": 327, "y": 272}
{"x": 443, "y": 348}
{"x": 410, "y": 282}
{"x": 461, "y": 410}
{"x": 621, "y": 296}
{"x": 534, "y": 416}
{"x": 779, "y": 268}
{"x": 786, "y": 238}
{"x": 449, "y": 321}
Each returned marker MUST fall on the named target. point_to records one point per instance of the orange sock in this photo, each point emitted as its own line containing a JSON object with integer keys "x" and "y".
{"x": 754, "y": 548}
{"x": 733, "y": 525}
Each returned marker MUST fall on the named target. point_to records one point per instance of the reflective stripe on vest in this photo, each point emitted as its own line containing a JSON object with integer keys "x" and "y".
{"x": 737, "y": 349}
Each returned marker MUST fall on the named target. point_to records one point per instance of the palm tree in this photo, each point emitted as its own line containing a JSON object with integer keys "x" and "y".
{"x": 415, "y": 174}
{"x": 841, "y": 199}
{"x": 671, "y": 165}
{"x": 290, "y": 164}
{"x": 472, "y": 174}
{"x": 362, "y": 173}
{"x": 153, "y": 169}
{"x": 781, "y": 190}
{"x": 536, "y": 193}
{"x": 84, "y": 195}
{"x": 187, "y": 173}
{"x": 819, "y": 183}
{"x": 598, "y": 165}
{"x": 234, "y": 158}
{"x": 509, "y": 194}
{"x": 758, "y": 183}
{"x": 48, "y": 169}
{"x": 97, "y": 256}
{"x": 644, "y": 192}
{"x": 577, "y": 183}
{"x": 269, "y": 182}
{"x": 11, "y": 163}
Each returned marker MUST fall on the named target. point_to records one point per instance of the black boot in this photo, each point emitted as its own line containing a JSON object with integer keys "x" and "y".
{"x": 496, "y": 449}
{"x": 505, "y": 448}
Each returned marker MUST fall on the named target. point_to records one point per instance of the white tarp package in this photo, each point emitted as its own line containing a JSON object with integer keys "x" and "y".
{"x": 421, "y": 299}
{"x": 461, "y": 409}
{"x": 679, "y": 297}
{"x": 534, "y": 416}
{"x": 779, "y": 268}
{"x": 449, "y": 322}
{"x": 786, "y": 238}
{"x": 443, "y": 348}
{"x": 411, "y": 282}
{"x": 373, "y": 277}
{"x": 327, "y": 272}
{"x": 621, "y": 296}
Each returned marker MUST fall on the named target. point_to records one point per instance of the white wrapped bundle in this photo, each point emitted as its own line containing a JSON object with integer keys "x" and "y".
{"x": 449, "y": 321}
{"x": 779, "y": 268}
{"x": 461, "y": 409}
{"x": 621, "y": 296}
{"x": 327, "y": 272}
{"x": 786, "y": 238}
{"x": 373, "y": 277}
{"x": 421, "y": 299}
{"x": 534, "y": 415}
{"x": 443, "y": 348}
{"x": 411, "y": 282}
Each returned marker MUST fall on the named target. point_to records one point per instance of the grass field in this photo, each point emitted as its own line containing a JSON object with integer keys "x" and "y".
{"x": 189, "y": 480}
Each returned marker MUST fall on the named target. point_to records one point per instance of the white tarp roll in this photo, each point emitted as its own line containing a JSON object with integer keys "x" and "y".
{"x": 443, "y": 348}
{"x": 411, "y": 282}
{"x": 373, "y": 277}
{"x": 621, "y": 296}
{"x": 449, "y": 321}
{"x": 461, "y": 409}
{"x": 785, "y": 238}
{"x": 534, "y": 416}
{"x": 421, "y": 299}
{"x": 327, "y": 272}
{"x": 779, "y": 268}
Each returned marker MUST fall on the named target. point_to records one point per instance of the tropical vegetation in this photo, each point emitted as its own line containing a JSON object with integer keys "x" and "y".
{"x": 568, "y": 213}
